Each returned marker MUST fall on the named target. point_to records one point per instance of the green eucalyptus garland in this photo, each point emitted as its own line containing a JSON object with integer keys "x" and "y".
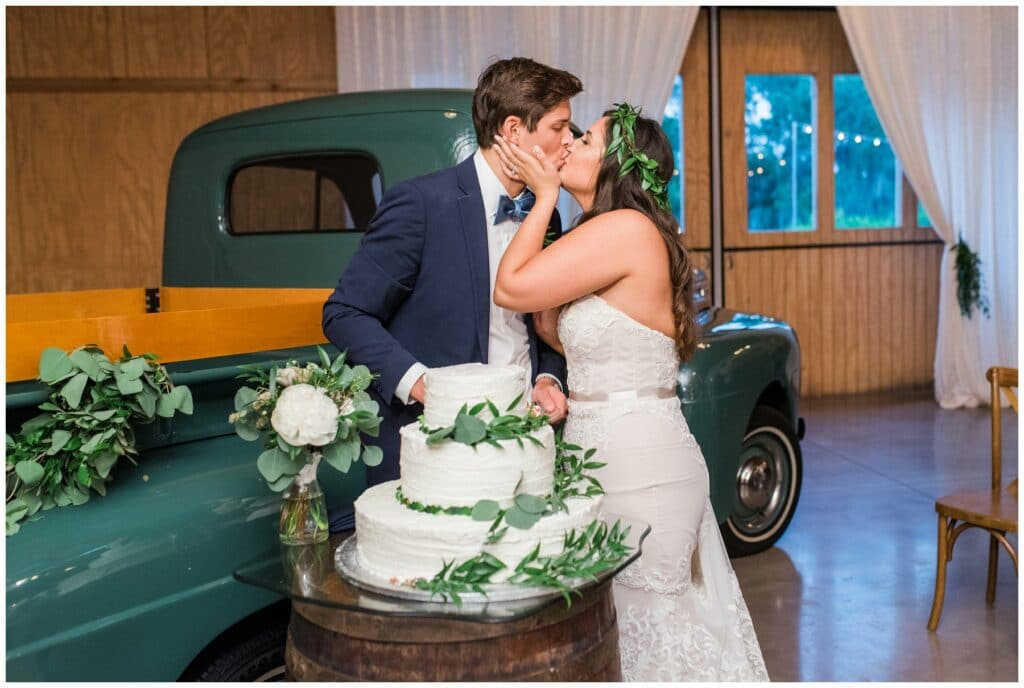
{"x": 61, "y": 455}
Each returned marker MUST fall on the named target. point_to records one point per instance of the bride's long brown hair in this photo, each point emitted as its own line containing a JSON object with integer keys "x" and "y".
{"x": 614, "y": 192}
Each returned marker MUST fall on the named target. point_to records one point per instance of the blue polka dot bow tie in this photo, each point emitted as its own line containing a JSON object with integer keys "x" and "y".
{"x": 514, "y": 208}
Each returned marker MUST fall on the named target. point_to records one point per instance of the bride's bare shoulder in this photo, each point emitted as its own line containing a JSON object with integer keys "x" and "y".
{"x": 624, "y": 224}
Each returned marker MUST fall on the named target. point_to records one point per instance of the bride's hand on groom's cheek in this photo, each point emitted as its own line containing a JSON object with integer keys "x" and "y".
{"x": 534, "y": 169}
{"x": 551, "y": 399}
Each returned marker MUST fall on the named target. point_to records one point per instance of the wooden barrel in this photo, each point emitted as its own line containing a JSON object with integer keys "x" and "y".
{"x": 578, "y": 643}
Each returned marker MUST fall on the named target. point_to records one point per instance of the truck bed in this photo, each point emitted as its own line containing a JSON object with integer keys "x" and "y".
{"x": 192, "y": 323}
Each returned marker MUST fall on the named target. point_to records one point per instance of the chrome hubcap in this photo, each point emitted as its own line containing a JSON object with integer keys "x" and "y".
{"x": 756, "y": 483}
{"x": 763, "y": 484}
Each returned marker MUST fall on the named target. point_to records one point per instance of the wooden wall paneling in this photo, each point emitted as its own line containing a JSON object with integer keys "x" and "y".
{"x": 864, "y": 320}
{"x": 14, "y": 239}
{"x": 59, "y": 42}
{"x": 166, "y": 42}
{"x": 87, "y": 177}
{"x": 303, "y": 38}
{"x": 697, "y": 135}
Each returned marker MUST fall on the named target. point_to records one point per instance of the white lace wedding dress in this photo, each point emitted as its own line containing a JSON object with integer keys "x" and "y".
{"x": 681, "y": 614}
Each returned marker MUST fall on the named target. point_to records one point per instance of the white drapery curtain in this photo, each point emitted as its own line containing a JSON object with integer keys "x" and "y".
{"x": 943, "y": 81}
{"x": 620, "y": 53}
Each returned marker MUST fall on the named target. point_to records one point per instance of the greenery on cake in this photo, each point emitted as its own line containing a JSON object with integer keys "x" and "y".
{"x": 526, "y": 509}
{"x": 571, "y": 480}
{"x": 470, "y": 429}
{"x": 584, "y": 555}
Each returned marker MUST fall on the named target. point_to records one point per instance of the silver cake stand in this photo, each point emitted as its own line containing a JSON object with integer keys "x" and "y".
{"x": 350, "y": 567}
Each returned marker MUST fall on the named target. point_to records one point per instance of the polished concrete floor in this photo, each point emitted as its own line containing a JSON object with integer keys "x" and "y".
{"x": 846, "y": 593}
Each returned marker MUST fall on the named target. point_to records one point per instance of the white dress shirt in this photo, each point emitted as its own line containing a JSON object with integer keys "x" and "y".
{"x": 508, "y": 341}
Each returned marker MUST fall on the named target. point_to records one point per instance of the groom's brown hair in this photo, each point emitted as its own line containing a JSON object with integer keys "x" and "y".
{"x": 518, "y": 87}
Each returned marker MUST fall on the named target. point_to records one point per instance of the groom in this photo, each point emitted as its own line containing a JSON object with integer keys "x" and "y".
{"x": 417, "y": 293}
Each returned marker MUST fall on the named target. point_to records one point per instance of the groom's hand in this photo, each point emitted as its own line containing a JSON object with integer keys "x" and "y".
{"x": 551, "y": 399}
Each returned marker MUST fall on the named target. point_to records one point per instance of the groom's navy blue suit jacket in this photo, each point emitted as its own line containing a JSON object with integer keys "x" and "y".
{"x": 418, "y": 289}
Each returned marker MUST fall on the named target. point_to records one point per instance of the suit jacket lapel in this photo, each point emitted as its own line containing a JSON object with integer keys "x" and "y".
{"x": 474, "y": 231}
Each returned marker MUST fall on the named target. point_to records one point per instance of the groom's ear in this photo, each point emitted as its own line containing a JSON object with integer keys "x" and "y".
{"x": 511, "y": 128}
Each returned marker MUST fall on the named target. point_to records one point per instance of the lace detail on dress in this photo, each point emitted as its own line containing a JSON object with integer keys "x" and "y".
{"x": 664, "y": 642}
{"x": 606, "y": 350}
{"x": 674, "y": 582}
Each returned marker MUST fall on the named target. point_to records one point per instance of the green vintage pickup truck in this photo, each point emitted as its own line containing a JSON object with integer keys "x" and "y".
{"x": 264, "y": 208}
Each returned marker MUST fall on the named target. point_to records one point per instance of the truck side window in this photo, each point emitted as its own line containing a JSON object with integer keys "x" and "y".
{"x": 323, "y": 193}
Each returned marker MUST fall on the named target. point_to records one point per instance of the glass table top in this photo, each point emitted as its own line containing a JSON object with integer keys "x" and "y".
{"x": 308, "y": 574}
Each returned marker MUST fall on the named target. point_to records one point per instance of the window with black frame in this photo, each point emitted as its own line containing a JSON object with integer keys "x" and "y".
{"x": 325, "y": 193}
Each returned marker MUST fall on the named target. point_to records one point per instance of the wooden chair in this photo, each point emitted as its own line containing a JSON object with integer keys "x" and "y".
{"x": 993, "y": 510}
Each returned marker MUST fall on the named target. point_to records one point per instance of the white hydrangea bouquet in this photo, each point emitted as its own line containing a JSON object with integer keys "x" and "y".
{"x": 302, "y": 414}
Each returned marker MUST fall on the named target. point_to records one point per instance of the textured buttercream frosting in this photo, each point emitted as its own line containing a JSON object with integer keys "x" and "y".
{"x": 448, "y": 388}
{"x": 454, "y": 474}
{"x": 397, "y": 542}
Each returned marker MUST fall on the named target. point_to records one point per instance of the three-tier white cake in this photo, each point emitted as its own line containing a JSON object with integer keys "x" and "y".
{"x": 397, "y": 541}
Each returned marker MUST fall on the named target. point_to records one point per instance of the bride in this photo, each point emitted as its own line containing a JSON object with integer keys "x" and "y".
{"x": 627, "y": 320}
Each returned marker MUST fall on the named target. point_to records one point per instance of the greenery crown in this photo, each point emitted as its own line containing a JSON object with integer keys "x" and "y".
{"x": 623, "y": 146}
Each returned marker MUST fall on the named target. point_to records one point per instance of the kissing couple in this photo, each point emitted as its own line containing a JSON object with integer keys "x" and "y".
{"x": 454, "y": 269}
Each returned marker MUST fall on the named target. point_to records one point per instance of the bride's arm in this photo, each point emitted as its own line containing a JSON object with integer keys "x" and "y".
{"x": 595, "y": 255}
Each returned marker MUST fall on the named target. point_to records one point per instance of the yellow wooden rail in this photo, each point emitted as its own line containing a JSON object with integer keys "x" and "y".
{"x": 203, "y": 330}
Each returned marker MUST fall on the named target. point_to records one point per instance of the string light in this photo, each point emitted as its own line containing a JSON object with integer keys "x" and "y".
{"x": 760, "y": 170}
{"x": 877, "y": 142}
{"x": 808, "y": 129}
{"x": 782, "y": 163}
{"x": 841, "y": 136}
{"x": 760, "y": 156}
{"x": 857, "y": 139}
{"x": 750, "y": 173}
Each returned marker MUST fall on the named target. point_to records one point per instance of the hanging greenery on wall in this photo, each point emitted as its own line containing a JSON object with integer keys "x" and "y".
{"x": 968, "y": 280}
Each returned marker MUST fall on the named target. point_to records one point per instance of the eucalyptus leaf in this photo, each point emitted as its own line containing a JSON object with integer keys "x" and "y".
{"x": 127, "y": 385}
{"x": 133, "y": 369}
{"x": 469, "y": 429}
{"x": 517, "y": 518}
{"x": 105, "y": 414}
{"x": 372, "y": 456}
{"x": 54, "y": 365}
{"x": 325, "y": 361}
{"x": 148, "y": 401}
{"x": 87, "y": 363}
{"x": 165, "y": 406}
{"x": 245, "y": 396}
{"x": 182, "y": 399}
{"x": 76, "y": 496}
{"x": 247, "y": 430}
{"x": 90, "y": 446}
{"x": 339, "y": 455}
{"x": 30, "y": 472}
{"x": 58, "y": 439}
{"x": 531, "y": 504}
{"x": 273, "y": 463}
{"x": 16, "y": 509}
{"x": 31, "y": 501}
{"x": 72, "y": 390}
{"x": 486, "y": 510}
{"x": 33, "y": 424}
{"x": 104, "y": 461}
